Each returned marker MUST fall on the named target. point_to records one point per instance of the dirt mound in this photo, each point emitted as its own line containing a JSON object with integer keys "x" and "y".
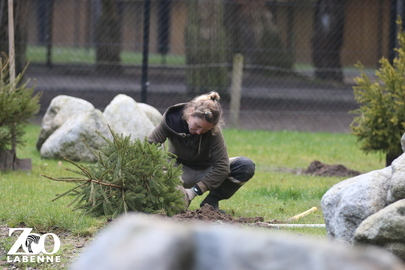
{"x": 208, "y": 213}
{"x": 318, "y": 168}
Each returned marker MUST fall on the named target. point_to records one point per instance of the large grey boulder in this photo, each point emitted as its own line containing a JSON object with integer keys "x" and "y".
{"x": 126, "y": 117}
{"x": 369, "y": 209}
{"x": 59, "y": 111}
{"x": 385, "y": 228}
{"x": 77, "y": 119}
{"x": 151, "y": 112}
{"x": 403, "y": 142}
{"x": 351, "y": 201}
{"x": 69, "y": 139}
{"x": 146, "y": 242}
{"x": 397, "y": 183}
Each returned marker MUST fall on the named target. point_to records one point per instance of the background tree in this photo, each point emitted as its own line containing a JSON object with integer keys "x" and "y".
{"x": 380, "y": 123}
{"x": 206, "y": 43}
{"x": 21, "y": 9}
{"x": 252, "y": 32}
{"x": 108, "y": 37}
{"x": 17, "y": 106}
{"x": 164, "y": 20}
{"x": 328, "y": 39}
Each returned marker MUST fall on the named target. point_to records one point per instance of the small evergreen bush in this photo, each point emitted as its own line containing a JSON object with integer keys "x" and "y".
{"x": 17, "y": 105}
{"x": 380, "y": 123}
{"x": 128, "y": 176}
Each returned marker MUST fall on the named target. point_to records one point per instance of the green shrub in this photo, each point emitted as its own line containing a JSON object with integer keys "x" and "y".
{"x": 380, "y": 123}
{"x": 128, "y": 176}
{"x": 17, "y": 106}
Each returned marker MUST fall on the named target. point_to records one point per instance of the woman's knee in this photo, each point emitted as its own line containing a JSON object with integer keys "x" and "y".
{"x": 242, "y": 168}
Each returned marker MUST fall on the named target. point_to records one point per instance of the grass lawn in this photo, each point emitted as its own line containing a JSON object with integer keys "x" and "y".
{"x": 273, "y": 193}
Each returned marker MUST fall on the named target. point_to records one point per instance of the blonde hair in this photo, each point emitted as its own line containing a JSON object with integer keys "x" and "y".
{"x": 206, "y": 107}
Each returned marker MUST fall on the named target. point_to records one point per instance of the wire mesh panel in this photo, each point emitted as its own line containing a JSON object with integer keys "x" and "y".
{"x": 298, "y": 56}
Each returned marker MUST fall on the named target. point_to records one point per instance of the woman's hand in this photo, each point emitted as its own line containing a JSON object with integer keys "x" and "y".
{"x": 189, "y": 194}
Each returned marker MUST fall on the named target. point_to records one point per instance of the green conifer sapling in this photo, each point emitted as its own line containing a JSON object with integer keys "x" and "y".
{"x": 128, "y": 176}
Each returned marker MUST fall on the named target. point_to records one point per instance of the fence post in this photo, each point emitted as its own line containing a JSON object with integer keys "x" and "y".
{"x": 11, "y": 51}
{"x": 145, "y": 52}
{"x": 236, "y": 89}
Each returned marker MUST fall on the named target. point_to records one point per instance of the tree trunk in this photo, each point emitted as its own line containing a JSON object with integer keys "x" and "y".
{"x": 108, "y": 38}
{"x": 164, "y": 14}
{"x": 328, "y": 39}
{"x": 21, "y": 9}
{"x": 252, "y": 32}
{"x": 206, "y": 48}
{"x": 9, "y": 161}
{"x": 392, "y": 155}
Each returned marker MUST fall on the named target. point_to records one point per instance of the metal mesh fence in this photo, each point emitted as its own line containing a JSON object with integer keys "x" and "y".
{"x": 298, "y": 56}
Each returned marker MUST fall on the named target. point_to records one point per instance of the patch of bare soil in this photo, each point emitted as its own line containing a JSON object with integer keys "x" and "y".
{"x": 319, "y": 169}
{"x": 208, "y": 214}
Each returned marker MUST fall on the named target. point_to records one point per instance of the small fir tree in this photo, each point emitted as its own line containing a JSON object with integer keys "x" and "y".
{"x": 18, "y": 104}
{"x": 128, "y": 176}
{"x": 380, "y": 123}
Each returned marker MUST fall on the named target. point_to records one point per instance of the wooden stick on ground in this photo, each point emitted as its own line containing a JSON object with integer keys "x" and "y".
{"x": 303, "y": 214}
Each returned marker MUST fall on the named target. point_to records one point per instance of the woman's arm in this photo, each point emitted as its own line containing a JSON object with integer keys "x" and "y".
{"x": 159, "y": 134}
{"x": 220, "y": 162}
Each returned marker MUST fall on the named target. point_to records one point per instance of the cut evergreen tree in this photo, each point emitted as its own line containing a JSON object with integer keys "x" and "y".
{"x": 129, "y": 175}
{"x": 18, "y": 105}
{"x": 380, "y": 123}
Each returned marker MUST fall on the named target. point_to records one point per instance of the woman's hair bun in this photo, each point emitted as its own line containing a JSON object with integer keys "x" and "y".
{"x": 214, "y": 96}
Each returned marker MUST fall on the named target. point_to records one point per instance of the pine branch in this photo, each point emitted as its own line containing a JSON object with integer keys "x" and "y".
{"x": 66, "y": 179}
{"x": 67, "y": 192}
{"x": 82, "y": 180}
{"x": 82, "y": 168}
{"x": 128, "y": 176}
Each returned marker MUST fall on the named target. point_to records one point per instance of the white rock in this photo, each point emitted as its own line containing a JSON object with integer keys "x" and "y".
{"x": 351, "y": 201}
{"x": 397, "y": 184}
{"x": 59, "y": 111}
{"x": 385, "y": 228}
{"x": 153, "y": 114}
{"x": 125, "y": 117}
{"x": 68, "y": 140}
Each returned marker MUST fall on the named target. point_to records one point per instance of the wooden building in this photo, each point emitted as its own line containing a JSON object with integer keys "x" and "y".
{"x": 366, "y": 26}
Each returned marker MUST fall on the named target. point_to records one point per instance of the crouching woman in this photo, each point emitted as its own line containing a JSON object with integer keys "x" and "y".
{"x": 195, "y": 137}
